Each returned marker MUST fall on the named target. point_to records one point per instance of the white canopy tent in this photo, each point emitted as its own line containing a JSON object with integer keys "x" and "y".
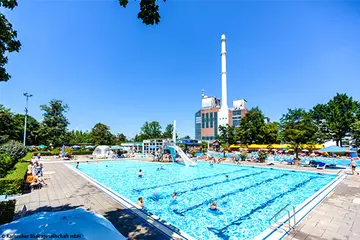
{"x": 102, "y": 151}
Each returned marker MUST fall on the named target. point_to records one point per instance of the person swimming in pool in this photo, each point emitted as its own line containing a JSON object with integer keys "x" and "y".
{"x": 173, "y": 196}
{"x": 227, "y": 177}
{"x": 140, "y": 202}
{"x": 140, "y": 173}
{"x": 213, "y": 206}
{"x": 77, "y": 165}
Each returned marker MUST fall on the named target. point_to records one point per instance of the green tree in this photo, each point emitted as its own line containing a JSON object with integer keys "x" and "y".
{"x": 335, "y": 118}
{"x": 297, "y": 128}
{"x": 271, "y": 133}
{"x": 204, "y": 146}
{"x": 32, "y": 129}
{"x": 168, "y": 133}
{"x": 226, "y": 134}
{"x": 79, "y": 137}
{"x": 186, "y": 137}
{"x": 252, "y": 127}
{"x": 149, "y": 11}
{"x": 54, "y": 124}
{"x": 6, "y": 124}
{"x": 101, "y": 135}
{"x": 150, "y": 130}
{"x": 121, "y": 138}
{"x": 355, "y": 133}
{"x": 8, "y": 39}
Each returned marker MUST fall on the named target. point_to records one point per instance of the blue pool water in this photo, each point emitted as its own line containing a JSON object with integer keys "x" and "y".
{"x": 248, "y": 199}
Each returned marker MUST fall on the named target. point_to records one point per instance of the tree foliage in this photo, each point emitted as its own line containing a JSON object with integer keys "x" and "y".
{"x": 6, "y": 124}
{"x": 226, "y": 135}
{"x": 79, "y": 137}
{"x": 149, "y": 11}
{"x": 335, "y": 118}
{"x": 101, "y": 135}
{"x": 297, "y": 128}
{"x": 355, "y": 133}
{"x": 168, "y": 133}
{"x": 253, "y": 128}
{"x": 54, "y": 124}
{"x": 150, "y": 130}
{"x": 8, "y": 39}
{"x": 121, "y": 138}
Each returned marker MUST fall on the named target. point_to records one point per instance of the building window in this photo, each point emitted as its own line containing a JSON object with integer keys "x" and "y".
{"x": 211, "y": 120}
{"x": 203, "y": 121}
{"x": 207, "y": 120}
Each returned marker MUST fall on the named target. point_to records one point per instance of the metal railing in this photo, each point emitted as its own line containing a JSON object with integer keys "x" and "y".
{"x": 288, "y": 213}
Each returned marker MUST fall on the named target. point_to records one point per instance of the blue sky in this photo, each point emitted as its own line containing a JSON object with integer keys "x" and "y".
{"x": 110, "y": 68}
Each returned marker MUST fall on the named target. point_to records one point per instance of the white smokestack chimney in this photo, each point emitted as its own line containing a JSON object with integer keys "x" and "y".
{"x": 223, "y": 115}
{"x": 224, "y": 104}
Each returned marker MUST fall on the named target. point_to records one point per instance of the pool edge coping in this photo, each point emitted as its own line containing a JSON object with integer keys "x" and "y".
{"x": 151, "y": 219}
{"x": 280, "y": 229}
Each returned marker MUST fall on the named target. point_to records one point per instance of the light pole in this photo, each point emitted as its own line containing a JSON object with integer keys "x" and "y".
{"x": 27, "y": 95}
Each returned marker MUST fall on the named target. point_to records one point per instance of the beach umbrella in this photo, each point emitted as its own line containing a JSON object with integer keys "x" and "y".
{"x": 88, "y": 147}
{"x": 73, "y": 224}
{"x": 335, "y": 149}
{"x": 42, "y": 146}
{"x": 63, "y": 151}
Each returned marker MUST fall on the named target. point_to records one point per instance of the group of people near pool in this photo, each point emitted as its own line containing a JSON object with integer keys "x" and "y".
{"x": 34, "y": 175}
{"x": 140, "y": 203}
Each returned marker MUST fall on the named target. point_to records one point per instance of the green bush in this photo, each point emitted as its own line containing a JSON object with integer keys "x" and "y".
{"x": 43, "y": 153}
{"x": 7, "y": 210}
{"x": 13, "y": 182}
{"x": 82, "y": 152}
{"x": 6, "y": 163}
{"x": 15, "y": 149}
{"x": 243, "y": 156}
{"x": 55, "y": 151}
{"x": 262, "y": 156}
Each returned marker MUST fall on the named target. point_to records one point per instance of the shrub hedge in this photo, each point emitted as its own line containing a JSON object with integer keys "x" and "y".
{"x": 15, "y": 149}
{"x": 7, "y": 210}
{"x": 13, "y": 182}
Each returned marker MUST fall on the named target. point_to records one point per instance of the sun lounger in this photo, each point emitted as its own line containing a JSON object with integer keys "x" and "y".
{"x": 321, "y": 165}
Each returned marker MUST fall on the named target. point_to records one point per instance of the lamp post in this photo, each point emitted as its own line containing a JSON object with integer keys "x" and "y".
{"x": 27, "y": 95}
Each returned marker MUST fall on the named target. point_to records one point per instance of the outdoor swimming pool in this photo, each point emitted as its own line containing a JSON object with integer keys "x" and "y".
{"x": 248, "y": 199}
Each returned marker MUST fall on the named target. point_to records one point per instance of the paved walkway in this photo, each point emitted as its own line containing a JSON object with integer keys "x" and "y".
{"x": 337, "y": 217}
{"x": 67, "y": 190}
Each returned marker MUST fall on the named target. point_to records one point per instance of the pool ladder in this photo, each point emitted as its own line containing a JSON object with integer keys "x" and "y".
{"x": 288, "y": 212}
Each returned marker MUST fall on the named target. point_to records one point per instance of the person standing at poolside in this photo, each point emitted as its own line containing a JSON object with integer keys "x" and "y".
{"x": 353, "y": 167}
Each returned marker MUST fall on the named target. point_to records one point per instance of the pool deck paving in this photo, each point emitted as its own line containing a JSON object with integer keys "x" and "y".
{"x": 67, "y": 190}
{"x": 337, "y": 217}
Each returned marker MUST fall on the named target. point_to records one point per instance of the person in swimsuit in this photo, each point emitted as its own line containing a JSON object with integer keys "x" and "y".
{"x": 353, "y": 167}
{"x": 213, "y": 206}
{"x": 227, "y": 177}
{"x": 77, "y": 165}
{"x": 140, "y": 202}
{"x": 173, "y": 196}
{"x": 140, "y": 173}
